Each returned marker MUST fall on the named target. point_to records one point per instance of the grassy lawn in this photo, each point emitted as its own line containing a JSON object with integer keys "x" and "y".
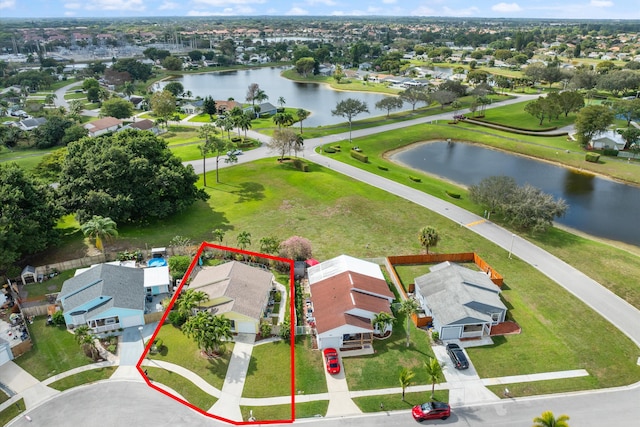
{"x": 393, "y": 402}
{"x": 85, "y": 377}
{"x": 515, "y": 115}
{"x": 202, "y": 118}
{"x": 192, "y": 393}
{"x": 310, "y": 377}
{"x": 184, "y": 352}
{"x": 283, "y": 412}
{"x": 345, "y": 84}
{"x": 381, "y": 370}
{"x": 37, "y": 291}
{"x": 73, "y": 95}
{"x": 54, "y": 351}
{"x": 11, "y": 412}
{"x": 269, "y": 373}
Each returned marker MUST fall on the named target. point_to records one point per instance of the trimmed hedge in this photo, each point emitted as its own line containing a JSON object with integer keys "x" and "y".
{"x": 415, "y": 179}
{"x": 300, "y": 165}
{"x": 383, "y": 168}
{"x": 610, "y": 152}
{"x": 359, "y": 156}
{"x": 451, "y": 194}
{"x": 329, "y": 150}
{"x": 592, "y": 157}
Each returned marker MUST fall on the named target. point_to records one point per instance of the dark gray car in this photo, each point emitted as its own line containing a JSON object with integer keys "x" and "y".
{"x": 457, "y": 356}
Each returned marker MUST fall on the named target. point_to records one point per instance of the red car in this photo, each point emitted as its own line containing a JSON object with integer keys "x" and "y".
{"x": 431, "y": 411}
{"x": 331, "y": 359}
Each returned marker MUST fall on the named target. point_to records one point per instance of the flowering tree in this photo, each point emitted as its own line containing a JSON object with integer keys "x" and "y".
{"x": 296, "y": 248}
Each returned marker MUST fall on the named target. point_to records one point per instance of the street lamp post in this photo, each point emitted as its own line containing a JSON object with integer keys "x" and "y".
{"x": 513, "y": 236}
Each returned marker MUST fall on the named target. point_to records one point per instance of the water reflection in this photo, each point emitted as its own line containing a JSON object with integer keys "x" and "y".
{"x": 597, "y": 206}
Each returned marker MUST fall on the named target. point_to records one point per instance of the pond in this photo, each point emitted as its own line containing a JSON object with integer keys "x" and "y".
{"x": 319, "y": 99}
{"x": 597, "y": 206}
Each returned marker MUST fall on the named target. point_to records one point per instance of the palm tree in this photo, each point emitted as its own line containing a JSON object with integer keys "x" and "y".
{"x": 190, "y": 300}
{"x": 409, "y": 307}
{"x": 244, "y": 239}
{"x": 381, "y": 321}
{"x": 85, "y": 338}
{"x": 205, "y": 133}
{"x": 282, "y": 119}
{"x": 50, "y": 98}
{"x": 406, "y": 375}
{"x": 218, "y": 234}
{"x": 261, "y": 96}
{"x": 434, "y": 373}
{"x": 99, "y": 228}
{"x": 128, "y": 88}
{"x": 244, "y": 122}
{"x": 428, "y": 237}
{"x": 208, "y": 331}
{"x": 281, "y": 101}
{"x": 269, "y": 245}
{"x": 302, "y": 115}
{"x": 547, "y": 419}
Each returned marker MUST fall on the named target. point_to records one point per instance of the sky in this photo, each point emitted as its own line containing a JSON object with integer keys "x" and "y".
{"x": 567, "y": 9}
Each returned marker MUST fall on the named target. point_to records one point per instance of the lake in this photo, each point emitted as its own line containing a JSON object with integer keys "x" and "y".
{"x": 319, "y": 99}
{"x": 597, "y": 206}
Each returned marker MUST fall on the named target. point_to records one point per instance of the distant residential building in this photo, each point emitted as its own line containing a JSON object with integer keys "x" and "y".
{"x": 102, "y": 126}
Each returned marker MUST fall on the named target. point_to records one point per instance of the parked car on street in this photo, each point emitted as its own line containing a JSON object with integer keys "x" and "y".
{"x": 234, "y": 152}
{"x": 457, "y": 356}
{"x": 331, "y": 360}
{"x": 431, "y": 411}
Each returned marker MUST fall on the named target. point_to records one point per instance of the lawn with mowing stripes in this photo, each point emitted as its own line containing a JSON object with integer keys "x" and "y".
{"x": 54, "y": 351}
{"x": 11, "y": 412}
{"x": 185, "y": 388}
{"x": 269, "y": 373}
{"x": 85, "y": 377}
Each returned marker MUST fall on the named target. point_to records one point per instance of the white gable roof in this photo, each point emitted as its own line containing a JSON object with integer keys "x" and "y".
{"x": 339, "y": 265}
{"x": 156, "y": 276}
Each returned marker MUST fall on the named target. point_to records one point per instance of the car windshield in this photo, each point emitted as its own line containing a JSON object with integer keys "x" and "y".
{"x": 426, "y": 407}
{"x": 333, "y": 364}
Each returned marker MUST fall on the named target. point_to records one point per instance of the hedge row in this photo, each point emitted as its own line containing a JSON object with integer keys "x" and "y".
{"x": 383, "y": 168}
{"x": 300, "y": 165}
{"x": 592, "y": 157}
{"x": 359, "y": 156}
{"x": 451, "y": 194}
{"x": 415, "y": 179}
{"x": 489, "y": 122}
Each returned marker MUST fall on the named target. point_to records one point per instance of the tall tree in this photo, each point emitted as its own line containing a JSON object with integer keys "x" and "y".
{"x": 409, "y": 307}
{"x": 283, "y": 119}
{"x": 413, "y": 95}
{"x": 244, "y": 239}
{"x": 547, "y": 419}
{"x": 302, "y": 115}
{"x": 163, "y": 104}
{"x": 428, "y": 237}
{"x": 389, "y": 103}
{"x": 28, "y": 216}
{"x": 100, "y": 229}
{"x": 189, "y": 300}
{"x": 282, "y": 141}
{"x": 87, "y": 341}
{"x": 381, "y": 321}
{"x": 349, "y": 108}
{"x": 129, "y": 176}
{"x": 590, "y": 121}
{"x": 117, "y": 107}
{"x": 209, "y": 107}
{"x": 206, "y": 132}
{"x": 304, "y": 66}
{"x": 252, "y": 93}
{"x": 434, "y": 373}
{"x": 269, "y": 245}
{"x": 208, "y": 331}
{"x": 405, "y": 378}
{"x": 296, "y": 248}
{"x": 176, "y": 88}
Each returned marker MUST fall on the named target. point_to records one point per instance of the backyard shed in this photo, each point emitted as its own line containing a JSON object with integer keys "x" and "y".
{"x": 28, "y": 275}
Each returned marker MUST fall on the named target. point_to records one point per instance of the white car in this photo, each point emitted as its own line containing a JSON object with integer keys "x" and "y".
{"x": 234, "y": 152}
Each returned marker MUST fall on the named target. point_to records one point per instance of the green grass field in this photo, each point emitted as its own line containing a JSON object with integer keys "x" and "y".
{"x": 269, "y": 373}
{"x": 81, "y": 378}
{"x": 191, "y": 392}
{"x": 515, "y": 115}
{"x": 54, "y": 351}
{"x": 393, "y": 402}
{"x": 283, "y": 412}
{"x": 11, "y": 412}
{"x": 184, "y": 352}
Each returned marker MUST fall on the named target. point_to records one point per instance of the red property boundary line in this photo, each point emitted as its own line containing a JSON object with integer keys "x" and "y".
{"x": 292, "y": 317}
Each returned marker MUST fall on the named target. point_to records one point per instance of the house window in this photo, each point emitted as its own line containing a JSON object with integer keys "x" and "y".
{"x": 495, "y": 317}
{"x": 233, "y": 325}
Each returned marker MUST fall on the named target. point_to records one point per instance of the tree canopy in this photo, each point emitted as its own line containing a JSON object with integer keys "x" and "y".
{"x": 117, "y": 107}
{"x": 592, "y": 120}
{"x": 28, "y": 215}
{"x": 349, "y": 108}
{"x": 130, "y": 176}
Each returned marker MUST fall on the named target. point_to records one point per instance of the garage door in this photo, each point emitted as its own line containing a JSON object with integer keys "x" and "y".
{"x": 245, "y": 327}
{"x": 129, "y": 321}
{"x": 5, "y": 355}
{"x": 451, "y": 332}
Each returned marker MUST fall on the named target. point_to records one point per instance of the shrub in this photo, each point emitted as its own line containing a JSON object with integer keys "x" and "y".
{"x": 383, "y": 168}
{"x": 300, "y": 165}
{"x": 592, "y": 157}
{"x": 359, "y": 156}
{"x": 451, "y": 194}
{"x": 336, "y": 147}
{"x": 236, "y": 139}
{"x": 58, "y": 318}
{"x": 277, "y": 297}
{"x": 415, "y": 179}
{"x": 329, "y": 150}
{"x": 111, "y": 348}
{"x": 265, "y": 329}
{"x": 435, "y": 335}
{"x": 610, "y": 152}
{"x": 177, "y": 318}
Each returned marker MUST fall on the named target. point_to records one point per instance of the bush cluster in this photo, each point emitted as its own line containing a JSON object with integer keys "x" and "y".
{"x": 300, "y": 165}
{"x": 383, "y": 168}
{"x": 451, "y": 194}
{"x": 592, "y": 157}
{"x": 610, "y": 152}
{"x": 415, "y": 179}
{"x": 359, "y": 156}
{"x": 329, "y": 150}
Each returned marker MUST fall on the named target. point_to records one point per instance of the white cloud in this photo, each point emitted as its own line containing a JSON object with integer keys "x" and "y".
{"x": 72, "y": 5}
{"x": 122, "y": 5}
{"x": 167, "y": 5}
{"x": 323, "y": 2}
{"x": 601, "y": 3}
{"x": 202, "y": 13}
{"x": 389, "y": 1}
{"x": 296, "y": 11}
{"x": 6, "y": 4}
{"x": 506, "y": 7}
{"x": 422, "y": 11}
{"x": 69, "y": 13}
{"x": 223, "y": 3}
{"x": 469, "y": 11}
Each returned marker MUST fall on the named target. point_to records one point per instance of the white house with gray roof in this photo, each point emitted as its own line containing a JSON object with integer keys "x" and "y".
{"x": 463, "y": 303}
{"x": 104, "y": 297}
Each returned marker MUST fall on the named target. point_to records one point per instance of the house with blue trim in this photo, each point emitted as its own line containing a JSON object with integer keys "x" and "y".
{"x": 104, "y": 297}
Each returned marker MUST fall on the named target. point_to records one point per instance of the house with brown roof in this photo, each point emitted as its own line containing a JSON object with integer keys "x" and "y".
{"x": 102, "y": 126}
{"x": 346, "y": 294}
{"x": 238, "y": 291}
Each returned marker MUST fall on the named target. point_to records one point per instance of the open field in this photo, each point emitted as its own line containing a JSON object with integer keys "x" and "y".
{"x": 269, "y": 372}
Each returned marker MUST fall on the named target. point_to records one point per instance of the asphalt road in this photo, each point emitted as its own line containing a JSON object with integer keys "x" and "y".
{"x": 122, "y": 403}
